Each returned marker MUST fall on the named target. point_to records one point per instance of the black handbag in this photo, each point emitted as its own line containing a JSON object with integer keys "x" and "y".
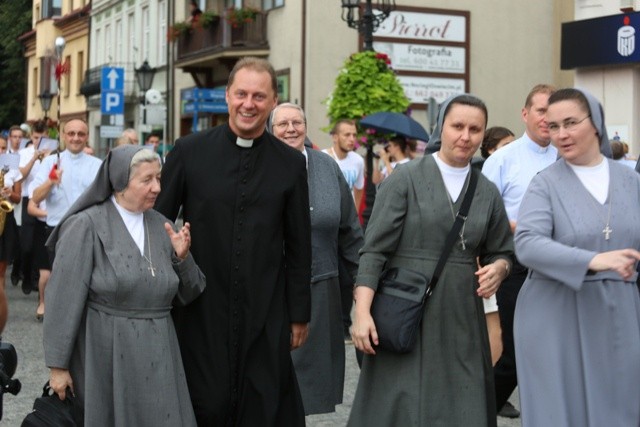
{"x": 399, "y": 303}
{"x": 50, "y": 411}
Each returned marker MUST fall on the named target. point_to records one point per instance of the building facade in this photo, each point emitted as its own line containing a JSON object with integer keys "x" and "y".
{"x": 52, "y": 19}
{"x": 505, "y": 48}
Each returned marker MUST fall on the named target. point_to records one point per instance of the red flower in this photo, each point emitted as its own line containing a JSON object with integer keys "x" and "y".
{"x": 62, "y": 68}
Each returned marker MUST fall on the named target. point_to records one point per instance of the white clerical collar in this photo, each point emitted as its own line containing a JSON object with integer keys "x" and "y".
{"x": 535, "y": 147}
{"x": 244, "y": 143}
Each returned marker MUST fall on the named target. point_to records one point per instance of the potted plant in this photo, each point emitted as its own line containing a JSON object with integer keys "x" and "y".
{"x": 365, "y": 85}
{"x": 178, "y": 29}
{"x": 240, "y": 16}
{"x": 208, "y": 19}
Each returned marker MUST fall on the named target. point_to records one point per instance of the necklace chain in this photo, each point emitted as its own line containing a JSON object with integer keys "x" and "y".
{"x": 151, "y": 267}
{"x": 463, "y": 242}
{"x": 607, "y": 230}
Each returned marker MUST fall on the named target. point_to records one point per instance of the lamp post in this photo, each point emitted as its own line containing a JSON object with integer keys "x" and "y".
{"x": 45, "y": 102}
{"x": 367, "y": 23}
{"x": 60, "y": 43}
{"x": 144, "y": 76}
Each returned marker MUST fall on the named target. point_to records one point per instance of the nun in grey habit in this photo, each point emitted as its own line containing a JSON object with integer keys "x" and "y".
{"x": 447, "y": 379}
{"x": 577, "y": 319}
{"x": 335, "y": 233}
{"x": 117, "y": 272}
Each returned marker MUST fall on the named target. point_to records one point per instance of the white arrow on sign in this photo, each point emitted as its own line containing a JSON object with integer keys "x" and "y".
{"x": 113, "y": 77}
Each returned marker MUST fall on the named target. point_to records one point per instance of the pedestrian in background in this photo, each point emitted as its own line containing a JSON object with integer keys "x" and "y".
{"x": 447, "y": 378}
{"x": 30, "y": 159}
{"x": 577, "y": 320}
{"x": 11, "y": 193}
{"x": 335, "y": 235}
{"x": 511, "y": 169}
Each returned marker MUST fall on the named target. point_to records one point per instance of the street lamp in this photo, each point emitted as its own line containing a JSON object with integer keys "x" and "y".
{"x": 145, "y": 75}
{"x": 366, "y": 24}
{"x": 45, "y": 102}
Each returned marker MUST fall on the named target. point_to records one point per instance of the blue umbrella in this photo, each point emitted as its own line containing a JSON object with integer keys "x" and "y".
{"x": 397, "y": 123}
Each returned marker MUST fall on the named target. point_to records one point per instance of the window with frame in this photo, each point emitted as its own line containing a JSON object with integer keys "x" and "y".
{"x": 51, "y": 8}
{"x": 79, "y": 68}
{"x": 272, "y": 4}
{"x": 66, "y": 85}
{"x": 233, "y": 3}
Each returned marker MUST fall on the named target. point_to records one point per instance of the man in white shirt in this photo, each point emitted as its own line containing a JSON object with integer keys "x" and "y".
{"x": 15, "y": 136}
{"x": 351, "y": 164}
{"x": 30, "y": 158}
{"x": 344, "y": 134}
{"x": 59, "y": 181}
{"x": 511, "y": 169}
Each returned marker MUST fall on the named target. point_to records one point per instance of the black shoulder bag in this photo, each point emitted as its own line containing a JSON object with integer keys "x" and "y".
{"x": 399, "y": 303}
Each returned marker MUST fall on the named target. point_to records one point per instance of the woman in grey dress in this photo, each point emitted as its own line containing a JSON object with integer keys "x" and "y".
{"x": 119, "y": 267}
{"x": 335, "y": 232}
{"x": 447, "y": 379}
{"x": 577, "y": 319}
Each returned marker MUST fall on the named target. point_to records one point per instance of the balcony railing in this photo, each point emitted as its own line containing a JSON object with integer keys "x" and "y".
{"x": 220, "y": 36}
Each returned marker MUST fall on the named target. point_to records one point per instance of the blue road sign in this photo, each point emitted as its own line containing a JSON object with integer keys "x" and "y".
{"x": 112, "y": 93}
{"x": 111, "y": 102}
{"x": 206, "y": 107}
{"x": 112, "y": 79}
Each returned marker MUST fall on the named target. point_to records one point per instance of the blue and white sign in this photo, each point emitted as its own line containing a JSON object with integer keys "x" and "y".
{"x": 112, "y": 79}
{"x": 112, "y": 90}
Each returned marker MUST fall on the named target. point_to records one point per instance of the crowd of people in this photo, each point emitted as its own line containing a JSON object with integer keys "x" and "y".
{"x": 218, "y": 286}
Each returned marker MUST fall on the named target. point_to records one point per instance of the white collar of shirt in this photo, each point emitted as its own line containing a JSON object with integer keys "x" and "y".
{"x": 134, "y": 221}
{"x": 306, "y": 156}
{"x": 594, "y": 178}
{"x": 244, "y": 143}
{"x": 454, "y": 178}
{"x": 534, "y": 146}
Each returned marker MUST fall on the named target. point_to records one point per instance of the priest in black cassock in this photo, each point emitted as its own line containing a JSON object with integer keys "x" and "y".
{"x": 245, "y": 194}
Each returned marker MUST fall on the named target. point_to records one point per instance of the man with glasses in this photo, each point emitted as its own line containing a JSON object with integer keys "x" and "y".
{"x": 511, "y": 168}
{"x": 59, "y": 181}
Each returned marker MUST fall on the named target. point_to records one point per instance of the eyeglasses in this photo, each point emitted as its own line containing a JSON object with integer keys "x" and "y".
{"x": 73, "y": 134}
{"x": 568, "y": 125}
{"x": 285, "y": 124}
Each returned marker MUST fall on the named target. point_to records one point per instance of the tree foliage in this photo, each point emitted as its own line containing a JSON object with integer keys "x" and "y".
{"x": 15, "y": 19}
{"x": 366, "y": 85}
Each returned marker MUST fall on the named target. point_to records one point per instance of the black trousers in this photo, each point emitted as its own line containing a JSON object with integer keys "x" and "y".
{"x": 27, "y": 234}
{"x": 504, "y": 373}
{"x": 346, "y": 294}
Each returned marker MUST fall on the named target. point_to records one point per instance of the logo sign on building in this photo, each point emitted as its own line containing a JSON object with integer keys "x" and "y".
{"x": 607, "y": 40}
{"x": 424, "y": 26}
{"x": 112, "y": 90}
{"x": 429, "y": 51}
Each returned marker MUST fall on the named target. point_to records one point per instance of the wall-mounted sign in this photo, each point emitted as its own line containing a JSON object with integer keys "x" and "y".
{"x": 420, "y": 89}
{"x": 424, "y": 26}
{"x": 428, "y": 49}
{"x": 424, "y": 57}
{"x": 608, "y": 40}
